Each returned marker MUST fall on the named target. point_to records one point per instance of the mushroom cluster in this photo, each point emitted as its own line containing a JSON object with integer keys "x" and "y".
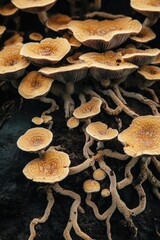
{"x": 93, "y": 67}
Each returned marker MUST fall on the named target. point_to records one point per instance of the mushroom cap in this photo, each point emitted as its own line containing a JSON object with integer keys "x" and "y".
{"x": 75, "y": 58}
{"x": 139, "y": 57}
{"x": 72, "y": 122}
{"x": 47, "y": 118}
{"x": 16, "y": 38}
{"x": 72, "y": 40}
{"x": 35, "y": 139}
{"x": 73, "y": 72}
{"x": 34, "y": 84}
{"x": 142, "y": 136}
{"x": 100, "y": 131}
{"x": 157, "y": 60}
{"x": 105, "y": 192}
{"x": 37, "y": 120}
{"x": 104, "y": 34}
{"x": 34, "y": 6}
{"x": 88, "y": 109}
{"x": 48, "y": 51}
{"x": 145, "y": 35}
{"x": 58, "y": 22}
{"x": 12, "y": 64}
{"x": 52, "y": 167}
{"x": 8, "y": 9}
{"x": 35, "y": 36}
{"x": 150, "y": 72}
{"x": 107, "y": 65}
{"x": 2, "y": 29}
{"x": 148, "y": 8}
{"x": 99, "y": 174}
{"x": 91, "y": 186}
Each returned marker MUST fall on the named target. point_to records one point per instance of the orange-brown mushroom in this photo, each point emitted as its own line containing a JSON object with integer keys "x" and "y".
{"x": 48, "y": 52}
{"x": 16, "y": 38}
{"x": 2, "y": 30}
{"x": 35, "y": 139}
{"x": 145, "y": 35}
{"x": 142, "y": 136}
{"x": 35, "y": 36}
{"x": 8, "y": 9}
{"x": 58, "y": 22}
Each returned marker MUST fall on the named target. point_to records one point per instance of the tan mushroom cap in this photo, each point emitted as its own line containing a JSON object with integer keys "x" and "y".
{"x": 34, "y": 84}
{"x": 46, "y": 118}
{"x": 146, "y": 7}
{"x": 73, "y": 72}
{"x": 72, "y": 122}
{"x": 48, "y": 51}
{"x": 138, "y": 56}
{"x": 58, "y": 22}
{"x": 34, "y": 6}
{"x": 8, "y": 9}
{"x": 2, "y": 29}
{"x": 105, "y": 192}
{"x": 142, "y": 136}
{"x": 145, "y": 35}
{"x": 104, "y": 34}
{"x": 75, "y": 58}
{"x": 35, "y": 36}
{"x": 12, "y": 64}
{"x": 100, "y": 131}
{"x": 35, "y": 139}
{"x": 88, "y": 109}
{"x": 107, "y": 65}
{"x": 52, "y": 167}
{"x": 72, "y": 40}
{"x": 37, "y": 120}
{"x": 150, "y": 72}
{"x": 16, "y": 38}
{"x": 91, "y": 186}
{"x": 99, "y": 174}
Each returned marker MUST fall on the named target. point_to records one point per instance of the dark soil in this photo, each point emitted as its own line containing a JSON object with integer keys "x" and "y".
{"x": 21, "y": 200}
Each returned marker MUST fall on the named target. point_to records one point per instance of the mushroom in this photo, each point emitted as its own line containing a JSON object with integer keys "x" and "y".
{"x": 101, "y": 132}
{"x": 72, "y": 122}
{"x": 91, "y": 186}
{"x": 72, "y": 40}
{"x": 37, "y": 7}
{"x": 2, "y": 30}
{"x": 35, "y": 85}
{"x": 157, "y": 60}
{"x": 150, "y": 8}
{"x": 35, "y": 36}
{"x": 16, "y": 38}
{"x": 37, "y": 120}
{"x": 137, "y": 56}
{"x": 48, "y": 52}
{"x": 58, "y": 22}
{"x": 145, "y": 136}
{"x": 99, "y": 174}
{"x": 8, "y": 9}
{"x": 12, "y": 64}
{"x": 145, "y": 35}
{"x": 35, "y": 139}
{"x": 104, "y": 35}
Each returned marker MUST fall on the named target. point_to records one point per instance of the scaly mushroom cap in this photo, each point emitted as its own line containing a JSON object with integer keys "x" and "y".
{"x": 16, "y": 38}
{"x": 48, "y": 51}
{"x": 157, "y": 60}
{"x": 91, "y": 186}
{"x": 8, "y": 9}
{"x": 73, "y": 72}
{"x": 100, "y": 131}
{"x": 72, "y": 122}
{"x": 2, "y": 29}
{"x": 142, "y": 136}
{"x": 99, "y": 174}
{"x": 149, "y": 72}
{"x": 145, "y": 35}
{"x": 12, "y": 64}
{"x": 34, "y": 84}
{"x": 58, "y": 22}
{"x": 105, "y": 34}
{"x": 88, "y": 109}
{"x": 35, "y": 139}
{"x": 107, "y": 65}
{"x": 35, "y": 36}
{"x": 52, "y": 167}
{"x": 34, "y": 6}
{"x": 149, "y": 8}
{"x": 137, "y": 56}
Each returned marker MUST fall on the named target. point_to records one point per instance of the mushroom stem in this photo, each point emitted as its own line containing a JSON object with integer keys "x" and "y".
{"x": 97, "y": 4}
{"x": 128, "y": 175}
{"x": 44, "y": 218}
{"x": 82, "y": 98}
{"x": 119, "y": 103}
{"x": 150, "y": 21}
{"x": 42, "y": 15}
{"x": 153, "y": 105}
{"x": 69, "y": 104}
{"x": 73, "y": 213}
{"x": 105, "y": 106}
{"x": 118, "y": 93}
{"x": 105, "y": 83}
{"x": 100, "y": 145}
{"x": 152, "y": 92}
{"x": 53, "y": 107}
{"x": 156, "y": 192}
{"x": 156, "y": 163}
